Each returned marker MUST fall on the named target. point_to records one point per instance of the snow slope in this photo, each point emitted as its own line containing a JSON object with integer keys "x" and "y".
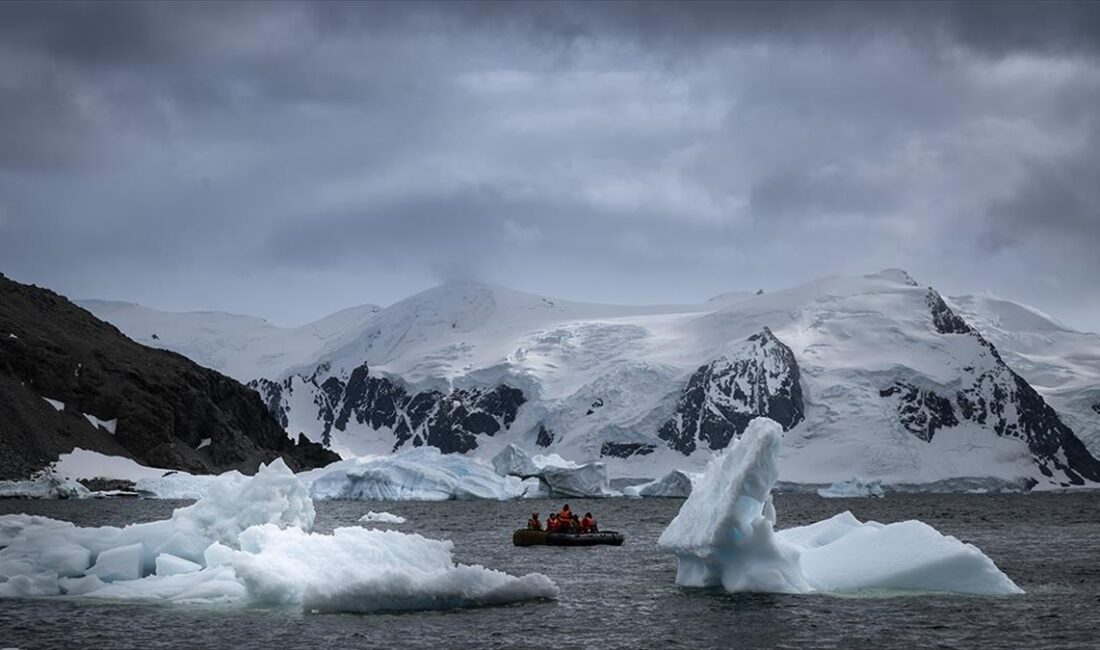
{"x": 1061, "y": 363}
{"x": 243, "y": 347}
{"x": 874, "y": 376}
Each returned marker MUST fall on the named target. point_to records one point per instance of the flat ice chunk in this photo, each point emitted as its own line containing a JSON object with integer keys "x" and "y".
{"x": 423, "y": 474}
{"x": 362, "y": 570}
{"x": 513, "y": 461}
{"x": 121, "y": 563}
{"x": 843, "y": 554}
{"x": 44, "y": 485}
{"x": 170, "y": 565}
{"x": 381, "y": 518}
{"x": 853, "y": 487}
{"x": 724, "y": 534}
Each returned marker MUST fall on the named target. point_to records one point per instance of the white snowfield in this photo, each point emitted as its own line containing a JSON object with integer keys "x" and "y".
{"x": 243, "y": 347}
{"x": 853, "y": 487}
{"x": 595, "y": 374}
{"x": 249, "y": 543}
{"x": 724, "y": 535}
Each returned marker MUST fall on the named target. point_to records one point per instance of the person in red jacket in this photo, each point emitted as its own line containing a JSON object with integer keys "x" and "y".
{"x": 566, "y": 515}
{"x": 588, "y": 524}
{"x": 552, "y": 523}
{"x": 533, "y": 523}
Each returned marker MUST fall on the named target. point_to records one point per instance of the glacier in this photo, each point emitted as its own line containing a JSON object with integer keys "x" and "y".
{"x": 724, "y": 534}
{"x": 249, "y": 542}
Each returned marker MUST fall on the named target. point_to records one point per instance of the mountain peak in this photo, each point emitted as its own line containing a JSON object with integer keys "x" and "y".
{"x": 895, "y": 275}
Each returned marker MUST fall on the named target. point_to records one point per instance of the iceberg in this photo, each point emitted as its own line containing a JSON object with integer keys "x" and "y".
{"x": 558, "y": 477}
{"x": 381, "y": 518}
{"x": 423, "y": 474}
{"x": 853, "y": 487}
{"x": 513, "y": 461}
{"x": 725, "y": 535}
{"x": 46, "y": 484}
{"x": 676, "y": 483}
{"x": 249, "y": 542}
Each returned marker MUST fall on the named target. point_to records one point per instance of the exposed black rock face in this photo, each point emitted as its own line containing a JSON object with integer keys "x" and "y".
{"x": 164, "y": 404}
{"x": 450, "y": 421}
{"x": 994, "y": 396}
{"x": 1096, "y": 407}
{"x": 626, "y": 449}
{"x": 545, "y": 437}
{"x": 595, "y": 405}
{"x": 945, "y": 320}
{"x": 922, "y": 412}
{"x": 722, "y": 397}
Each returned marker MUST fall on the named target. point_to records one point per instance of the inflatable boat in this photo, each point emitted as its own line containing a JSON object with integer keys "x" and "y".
{"x": 525, "y": 537}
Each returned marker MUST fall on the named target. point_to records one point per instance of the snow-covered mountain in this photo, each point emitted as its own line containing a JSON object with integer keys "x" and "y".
{"x": 243, "y": 347}
{"x": 872, "y": 376}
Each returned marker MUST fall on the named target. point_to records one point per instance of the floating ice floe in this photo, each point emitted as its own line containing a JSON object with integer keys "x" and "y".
{"x": 381, "y": 518}
{"x": 46, "y": 484}
{"x": 422, "y": 474}
{"x": 724, "y": 535}
{"x": 676, "y": 483}
{"x": 557, "y": 477}
{"x": 853, "y": 487}
{"x": 249, "y": 542}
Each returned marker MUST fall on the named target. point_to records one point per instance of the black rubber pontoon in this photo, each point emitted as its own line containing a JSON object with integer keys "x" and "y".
{"x": 524, "y": 537}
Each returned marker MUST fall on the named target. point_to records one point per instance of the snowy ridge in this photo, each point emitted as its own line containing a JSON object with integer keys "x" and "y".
{"x": 243, "y": 347}
{"x": 871, "y": 376}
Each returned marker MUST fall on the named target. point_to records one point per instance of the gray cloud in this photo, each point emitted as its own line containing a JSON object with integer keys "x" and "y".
{"x": 291, "y": 159}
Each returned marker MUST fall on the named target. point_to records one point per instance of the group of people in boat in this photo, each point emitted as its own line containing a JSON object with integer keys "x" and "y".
{"x": 565, "y": 521}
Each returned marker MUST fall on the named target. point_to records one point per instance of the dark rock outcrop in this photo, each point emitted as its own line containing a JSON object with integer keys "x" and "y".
{"x": 921, "y": 412}
{"x": 545, "y": 437}
{"x": 165, "y": 405}
{"x": 723, "y": 396}
{"x": 994, "y": 396}
{"x": 450, "y": 421}
{"x": 626, "y": 449}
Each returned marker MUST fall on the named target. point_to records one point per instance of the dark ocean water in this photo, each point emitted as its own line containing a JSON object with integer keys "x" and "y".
{"x": 624, "y": 597}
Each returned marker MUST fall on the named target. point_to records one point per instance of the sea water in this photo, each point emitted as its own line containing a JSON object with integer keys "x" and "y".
{"x": 613, "y": 597}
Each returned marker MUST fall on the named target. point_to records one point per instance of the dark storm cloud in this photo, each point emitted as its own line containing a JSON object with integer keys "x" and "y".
{"x": 240, "y": 155}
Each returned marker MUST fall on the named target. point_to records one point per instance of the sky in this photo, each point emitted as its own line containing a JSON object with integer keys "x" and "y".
{"x": 289, "y": 160}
